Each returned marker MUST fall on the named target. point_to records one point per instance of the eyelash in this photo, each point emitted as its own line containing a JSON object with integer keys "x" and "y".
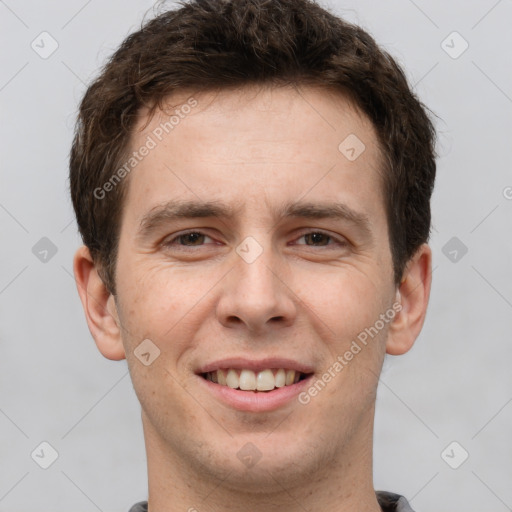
{"x": 171, "y": 242}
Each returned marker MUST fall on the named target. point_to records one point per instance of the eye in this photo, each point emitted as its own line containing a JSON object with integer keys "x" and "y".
{"x": 320, "y": 239}
{"x": 316, "y": 238}
{"x": 311, "y": 239}
{"x": 190, "y": 239}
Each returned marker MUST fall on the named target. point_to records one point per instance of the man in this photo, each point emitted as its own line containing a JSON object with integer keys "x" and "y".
{"x": 252, "y": 181}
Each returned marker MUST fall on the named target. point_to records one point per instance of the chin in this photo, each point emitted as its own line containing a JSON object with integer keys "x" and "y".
{"x": 262, "y": 463}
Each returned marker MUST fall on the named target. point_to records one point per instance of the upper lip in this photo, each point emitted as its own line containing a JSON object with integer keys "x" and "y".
{"x": 256, "y": 365}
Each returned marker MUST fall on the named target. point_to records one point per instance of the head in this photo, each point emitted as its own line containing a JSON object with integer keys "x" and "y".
{"x": 252, "y": 183}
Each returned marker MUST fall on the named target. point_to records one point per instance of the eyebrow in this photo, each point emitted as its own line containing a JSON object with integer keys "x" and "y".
{"x": 178, "y": 209}
{"x": 336, "y": 211}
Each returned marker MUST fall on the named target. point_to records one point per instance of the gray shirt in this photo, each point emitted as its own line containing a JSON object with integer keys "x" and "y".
{"x": 388, "y": 501}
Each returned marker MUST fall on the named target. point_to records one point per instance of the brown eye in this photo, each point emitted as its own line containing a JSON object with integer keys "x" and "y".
{"x": 317, "y": 238}
{"x": 190, "y": 239}
{"x": 194, "y": 238}
{"x": 320, "y": 239}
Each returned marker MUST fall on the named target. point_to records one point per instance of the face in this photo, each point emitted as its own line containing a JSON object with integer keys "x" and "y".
{"x": 251, "y": 242}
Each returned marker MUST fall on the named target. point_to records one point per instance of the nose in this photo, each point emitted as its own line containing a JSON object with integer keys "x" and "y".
{"x": 256, "y": 295}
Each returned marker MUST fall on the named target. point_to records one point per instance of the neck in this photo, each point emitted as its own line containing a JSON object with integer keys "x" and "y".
{"x": 337, "y": 480}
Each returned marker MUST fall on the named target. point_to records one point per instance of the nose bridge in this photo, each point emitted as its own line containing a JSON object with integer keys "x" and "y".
{"x": 255, "y": 294}
{"x": 256, "y": 268}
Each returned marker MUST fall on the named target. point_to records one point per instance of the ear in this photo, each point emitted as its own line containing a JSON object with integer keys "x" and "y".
{"x": 413, "y": 294}
{"x": 99, "y": 306}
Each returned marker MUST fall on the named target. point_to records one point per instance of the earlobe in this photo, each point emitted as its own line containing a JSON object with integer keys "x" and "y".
{"x": 413, "y": 295}
{"x": 99, "y": 306}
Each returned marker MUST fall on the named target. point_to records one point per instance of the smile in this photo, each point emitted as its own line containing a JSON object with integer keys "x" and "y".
{"x": 252, "y": 384}
{"x": 249, "y": 380}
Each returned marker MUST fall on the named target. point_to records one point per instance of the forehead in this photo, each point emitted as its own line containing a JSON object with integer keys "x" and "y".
{"x": 253, "y": 143}
{"x": 324, "y": 113}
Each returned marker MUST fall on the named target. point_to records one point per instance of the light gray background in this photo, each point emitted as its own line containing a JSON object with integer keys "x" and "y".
{"x": 456, "y": 383}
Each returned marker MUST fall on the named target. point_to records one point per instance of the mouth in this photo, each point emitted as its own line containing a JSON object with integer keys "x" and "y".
{"x": 245, "y": 379}
{"x": 252, "y": 385}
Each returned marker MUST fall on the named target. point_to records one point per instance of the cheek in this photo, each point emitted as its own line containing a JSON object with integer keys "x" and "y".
{"x": 348, "y": 306}
{"x": 160, "y": 302}
{"x": 346, "y": 299}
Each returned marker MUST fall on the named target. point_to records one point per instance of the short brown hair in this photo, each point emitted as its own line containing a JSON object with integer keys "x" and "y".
{"x": 216, "y": 44}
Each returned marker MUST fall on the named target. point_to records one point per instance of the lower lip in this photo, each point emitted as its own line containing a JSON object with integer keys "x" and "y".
{"x": 258, "y": 401}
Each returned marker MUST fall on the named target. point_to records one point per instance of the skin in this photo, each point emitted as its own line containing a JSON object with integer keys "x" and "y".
{"x": 303, "y": 298}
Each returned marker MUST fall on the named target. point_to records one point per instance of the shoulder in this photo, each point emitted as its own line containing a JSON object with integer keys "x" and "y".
{"x": 391, "y": 502}
{"x": 141, "y": 506}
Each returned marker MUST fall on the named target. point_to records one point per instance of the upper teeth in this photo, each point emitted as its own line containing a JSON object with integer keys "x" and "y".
{"x": 248, "y": 380}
